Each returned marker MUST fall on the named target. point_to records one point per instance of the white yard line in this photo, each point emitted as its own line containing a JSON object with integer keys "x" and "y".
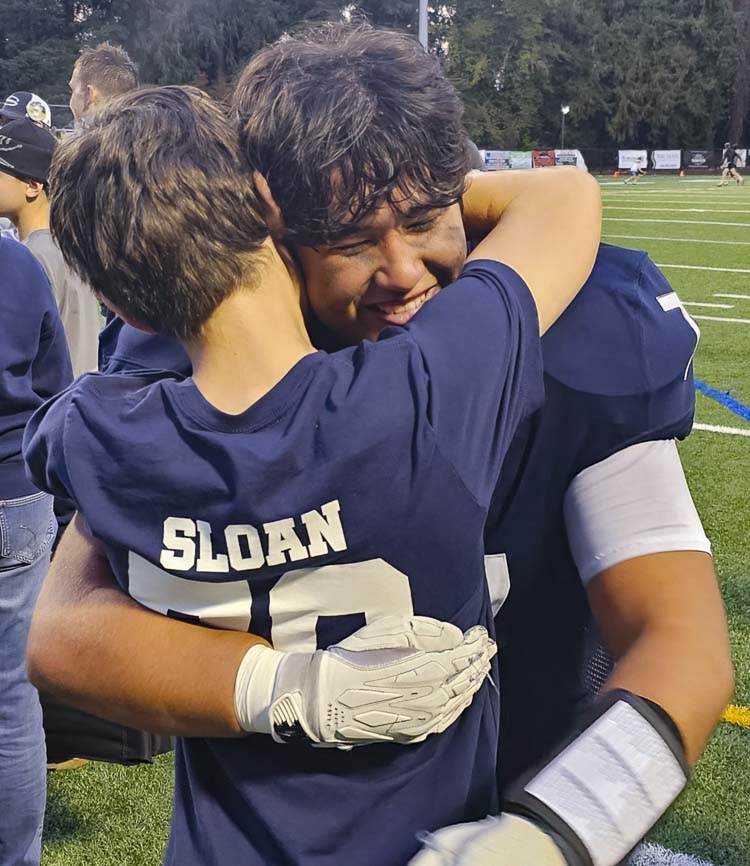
{"x": 727, "y": 431}
{"x": 678, "y": 240}
{"x": 650, "y": 854}
{"x": 607, "y": 198}
{"x": 737, "y": 297}
{"x": 707, "y": 268}
{"x": 702, "y": 304}
{"x": 674, "y": 209}
{"x": 674, "y": 222}
{"x": 722, "y": 319}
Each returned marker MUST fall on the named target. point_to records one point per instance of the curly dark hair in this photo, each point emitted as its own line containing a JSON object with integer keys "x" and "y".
{"x": 340, "y": 118}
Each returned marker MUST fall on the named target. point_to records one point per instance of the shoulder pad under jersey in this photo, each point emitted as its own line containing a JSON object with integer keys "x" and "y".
{"x": 625, "y": 333}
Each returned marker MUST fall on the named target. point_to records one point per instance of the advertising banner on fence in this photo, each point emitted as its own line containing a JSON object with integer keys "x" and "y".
{"x": 628, "y": 158}
{"x": 666, "y": 159}
{"x": 543, "y": 158}
{"x": 570, "y": 157}
{"x": 496, "y": 160}
{"x": 742, "y": 157}
{"x": 520, "y": 159}
{"x": 699, "y": 158}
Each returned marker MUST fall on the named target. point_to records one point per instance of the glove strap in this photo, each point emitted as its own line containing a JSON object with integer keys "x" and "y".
{"x": 254, "y": 688}
{"x": 604, "y": 788}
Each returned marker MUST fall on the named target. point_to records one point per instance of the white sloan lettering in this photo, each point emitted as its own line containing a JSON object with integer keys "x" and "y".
{"x": 324, "y": 529}
{"x": 237, "y": 559}
{"x": 245, "y": 546}
{"x": 282, "y": 539}
{"x": 206, "y": 559}
{"x": 180, "y": 550}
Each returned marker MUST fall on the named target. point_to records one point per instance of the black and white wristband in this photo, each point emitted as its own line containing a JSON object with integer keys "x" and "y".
{"x": 608, "y": 784}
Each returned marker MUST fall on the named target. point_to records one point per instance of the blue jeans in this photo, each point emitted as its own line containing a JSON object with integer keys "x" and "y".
{"x": 27, "y": 530}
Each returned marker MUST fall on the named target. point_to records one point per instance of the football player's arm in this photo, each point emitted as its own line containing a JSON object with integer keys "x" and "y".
{"x": 662, "y": 619}
{"x": 640, "y": 547}
{"x": 517, "y": 211}
{"x": 637, "y": 540}
{"x": 96, "y": 648}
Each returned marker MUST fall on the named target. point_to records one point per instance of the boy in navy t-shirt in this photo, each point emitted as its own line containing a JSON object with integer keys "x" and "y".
{"x": 291, "y": 492}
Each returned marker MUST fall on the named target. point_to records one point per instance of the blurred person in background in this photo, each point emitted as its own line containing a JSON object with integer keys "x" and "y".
{"x": 100, "y": 74}
{"x": 23, "y": 103}
{"x": 729, "y": 160}
{"x": 25, "y": 155}
{"x": 34, "y": 365}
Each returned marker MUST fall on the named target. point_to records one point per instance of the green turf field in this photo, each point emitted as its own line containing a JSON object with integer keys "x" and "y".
{"x": 112, "y": 816}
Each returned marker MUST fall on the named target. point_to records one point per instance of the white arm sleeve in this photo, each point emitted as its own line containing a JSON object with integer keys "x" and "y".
{"x": 634, "y": 503}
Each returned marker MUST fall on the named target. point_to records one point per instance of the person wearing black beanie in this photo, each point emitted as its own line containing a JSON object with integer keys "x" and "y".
{"x": 26, "y": 152}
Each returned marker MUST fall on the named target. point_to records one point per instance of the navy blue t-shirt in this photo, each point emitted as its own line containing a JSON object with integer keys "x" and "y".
{"x": 357, "y": 488}
{"x": 618, "y": 372}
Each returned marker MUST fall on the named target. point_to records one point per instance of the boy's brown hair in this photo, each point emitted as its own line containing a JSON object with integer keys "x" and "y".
{"x": 152, "y": 206}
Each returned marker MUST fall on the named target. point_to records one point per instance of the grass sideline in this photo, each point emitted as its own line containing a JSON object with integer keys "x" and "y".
{"x": 116, "y": 816}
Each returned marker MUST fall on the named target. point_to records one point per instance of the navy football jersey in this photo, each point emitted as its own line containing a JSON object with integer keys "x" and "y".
{"x": 617, "y": 372}
{"x": 357, "y": 488}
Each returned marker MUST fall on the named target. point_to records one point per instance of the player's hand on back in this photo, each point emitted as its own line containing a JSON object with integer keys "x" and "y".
{"x": 396, "y": 680}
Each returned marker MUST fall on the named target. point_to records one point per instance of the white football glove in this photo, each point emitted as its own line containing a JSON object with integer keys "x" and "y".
{"x": 504, "y": 841}
{"x": 397, "y": 680}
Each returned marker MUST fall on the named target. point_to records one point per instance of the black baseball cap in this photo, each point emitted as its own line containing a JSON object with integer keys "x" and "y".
{"x": 26, "y": 150}
{"x": 23, "y": 103}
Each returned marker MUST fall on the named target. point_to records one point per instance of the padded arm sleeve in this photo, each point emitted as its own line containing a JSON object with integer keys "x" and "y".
{"x": 634, "y": 503}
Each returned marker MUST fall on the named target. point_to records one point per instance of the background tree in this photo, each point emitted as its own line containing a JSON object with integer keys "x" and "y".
{"x": 740, "y": 106}
{"x": 658, "y": 73}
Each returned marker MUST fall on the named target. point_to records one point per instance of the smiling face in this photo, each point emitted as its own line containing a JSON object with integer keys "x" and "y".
{"x": 383, "y": 270}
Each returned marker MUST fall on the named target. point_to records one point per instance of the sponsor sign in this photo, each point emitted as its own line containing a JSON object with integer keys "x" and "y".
{"x": 699, "y": 158}
{"x": 628, "y": 158}
{"x": 741, "y": 157}
{"x": 543, "y": 158}
{"x": 520, "y": 159}
{"x": 570, "y": 157}
{"x": 496, "y": 160}
{"x": 666, "y": 159}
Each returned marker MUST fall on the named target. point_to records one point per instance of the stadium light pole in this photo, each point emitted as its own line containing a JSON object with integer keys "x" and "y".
{"x": 564, "y": 109}
{"x": 423, "y": 38}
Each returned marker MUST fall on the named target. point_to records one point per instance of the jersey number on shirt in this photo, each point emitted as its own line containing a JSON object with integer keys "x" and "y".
{"x": 373, "y": 589}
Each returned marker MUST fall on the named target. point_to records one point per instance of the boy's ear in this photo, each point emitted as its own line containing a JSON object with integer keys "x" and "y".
{"x": 269, "y": 210}
{"x": 92, "y": 97}
{"x": 34, "y": 189}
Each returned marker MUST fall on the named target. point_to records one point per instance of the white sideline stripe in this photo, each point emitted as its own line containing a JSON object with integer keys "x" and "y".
{"x": 674, "y": 222}
{"x": 621, "y": 182}
{"x": 674, "y": 209}
{"x": 645, "y": 203}
{"x": 722, "y": 319}
{"x": 738, "y": 297}
{"x": 650, "y": 854}
{"x": 708, "y": 268}
{"x": 608, "y": 197}
{"x": 702, "y": 304}
{"x": 678, "y": 240}
{"x": 727, "y": 431}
